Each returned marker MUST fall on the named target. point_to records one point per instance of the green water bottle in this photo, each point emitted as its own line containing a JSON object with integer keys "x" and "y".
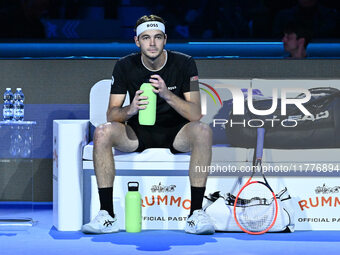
{"x": 148, "y": 116}
{"x": 133, "y": 209}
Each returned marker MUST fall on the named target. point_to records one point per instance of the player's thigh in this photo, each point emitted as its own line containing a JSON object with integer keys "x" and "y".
{"x": 194, "y": 132}
{"x": 182, "y": 140}
{"x": 128, "y": 141}
{"x": 115, "y": 134}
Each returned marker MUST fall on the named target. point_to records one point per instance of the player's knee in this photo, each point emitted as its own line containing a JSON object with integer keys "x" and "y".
{"x": 202, "y": 131}
{"x": 104, "y": 133}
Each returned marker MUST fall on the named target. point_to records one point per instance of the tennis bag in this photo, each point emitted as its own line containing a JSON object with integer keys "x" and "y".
{"x": 320, "y": 130}
{"x": 220, "y": 210}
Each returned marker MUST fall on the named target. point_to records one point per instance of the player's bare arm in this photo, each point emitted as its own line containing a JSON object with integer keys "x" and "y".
{"x": 190, "y": 108}
{"x": 116, "y": 112}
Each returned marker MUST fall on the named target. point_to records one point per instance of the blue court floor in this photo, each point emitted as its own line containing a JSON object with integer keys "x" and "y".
{"x": 43, "y": 238}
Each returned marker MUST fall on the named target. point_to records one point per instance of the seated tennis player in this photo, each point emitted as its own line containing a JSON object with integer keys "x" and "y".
{"x": 175, "y": 80}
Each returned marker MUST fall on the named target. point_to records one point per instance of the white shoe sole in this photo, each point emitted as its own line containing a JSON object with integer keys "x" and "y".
{"x": 89, "y": 230}
{"x": 206, "y": 230}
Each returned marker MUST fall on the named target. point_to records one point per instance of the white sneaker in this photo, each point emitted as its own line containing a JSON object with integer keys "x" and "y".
{"x": 199, "y": 223}
{"x": 103, "y": 223}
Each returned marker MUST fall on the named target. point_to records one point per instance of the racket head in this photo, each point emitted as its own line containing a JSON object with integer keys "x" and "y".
{"x": 255, "y": 208}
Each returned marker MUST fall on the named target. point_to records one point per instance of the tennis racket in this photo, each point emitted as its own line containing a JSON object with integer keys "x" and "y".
{"x": 255, "y": 206}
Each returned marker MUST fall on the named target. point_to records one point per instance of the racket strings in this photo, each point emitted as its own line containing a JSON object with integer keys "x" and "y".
{"x": 255, "y": 209}
{"x": 257, "y": 218}
{"x": 254, "y": 201}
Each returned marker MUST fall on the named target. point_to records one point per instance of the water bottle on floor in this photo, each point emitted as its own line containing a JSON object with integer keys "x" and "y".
{"x": 8, "y": 105}
{"x": 133, "y": 209}
{"x": 19, "y": 108}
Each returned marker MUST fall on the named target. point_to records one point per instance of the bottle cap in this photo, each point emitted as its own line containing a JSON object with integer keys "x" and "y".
{"x": 8, "y": 88}
{"x": 18, "y": 88}
{"x": 133, "y": 187}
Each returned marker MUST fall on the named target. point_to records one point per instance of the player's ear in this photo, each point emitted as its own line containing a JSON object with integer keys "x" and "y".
{"x": 165, "y": 38}
{"x": 136, "y": 41}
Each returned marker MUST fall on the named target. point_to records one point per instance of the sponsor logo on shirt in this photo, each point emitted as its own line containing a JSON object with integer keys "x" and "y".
{"x": 172, "y": 88}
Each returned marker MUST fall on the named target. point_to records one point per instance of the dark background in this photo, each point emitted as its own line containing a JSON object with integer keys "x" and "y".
{"x": 186, "y": 20}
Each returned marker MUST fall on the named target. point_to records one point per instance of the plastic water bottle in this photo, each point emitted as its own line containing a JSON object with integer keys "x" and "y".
{"x": 19, "y": 107}
{"x": 147, "y": 116}
{"x": 19, "y": 95}
{"x": 133, "y": 209}
{"x": 8, "y": 105}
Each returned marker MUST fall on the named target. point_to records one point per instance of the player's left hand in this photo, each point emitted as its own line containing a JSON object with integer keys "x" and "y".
{"x": 159, "y": 86}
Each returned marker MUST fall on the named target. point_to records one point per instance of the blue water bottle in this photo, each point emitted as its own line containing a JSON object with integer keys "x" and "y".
{"x": 19, "y": 107}
{"x": 8, "y": 105}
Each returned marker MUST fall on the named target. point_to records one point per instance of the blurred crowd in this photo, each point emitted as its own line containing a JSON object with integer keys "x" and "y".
{"x": 194, "y": 19}
{"x": 249, "y": 18}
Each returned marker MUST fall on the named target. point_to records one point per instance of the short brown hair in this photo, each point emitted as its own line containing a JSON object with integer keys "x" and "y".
{"x": 300, "y": 30}
{"x": 146, "y": 18}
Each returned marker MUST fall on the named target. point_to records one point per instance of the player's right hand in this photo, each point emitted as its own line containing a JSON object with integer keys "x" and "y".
{"x": 138, "y": 103}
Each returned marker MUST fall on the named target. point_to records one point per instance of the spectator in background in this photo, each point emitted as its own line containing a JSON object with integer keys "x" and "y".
{"x": 295, "y": 40}
{"x": 311, "y": 15}
{"x": 22, "y": 21}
